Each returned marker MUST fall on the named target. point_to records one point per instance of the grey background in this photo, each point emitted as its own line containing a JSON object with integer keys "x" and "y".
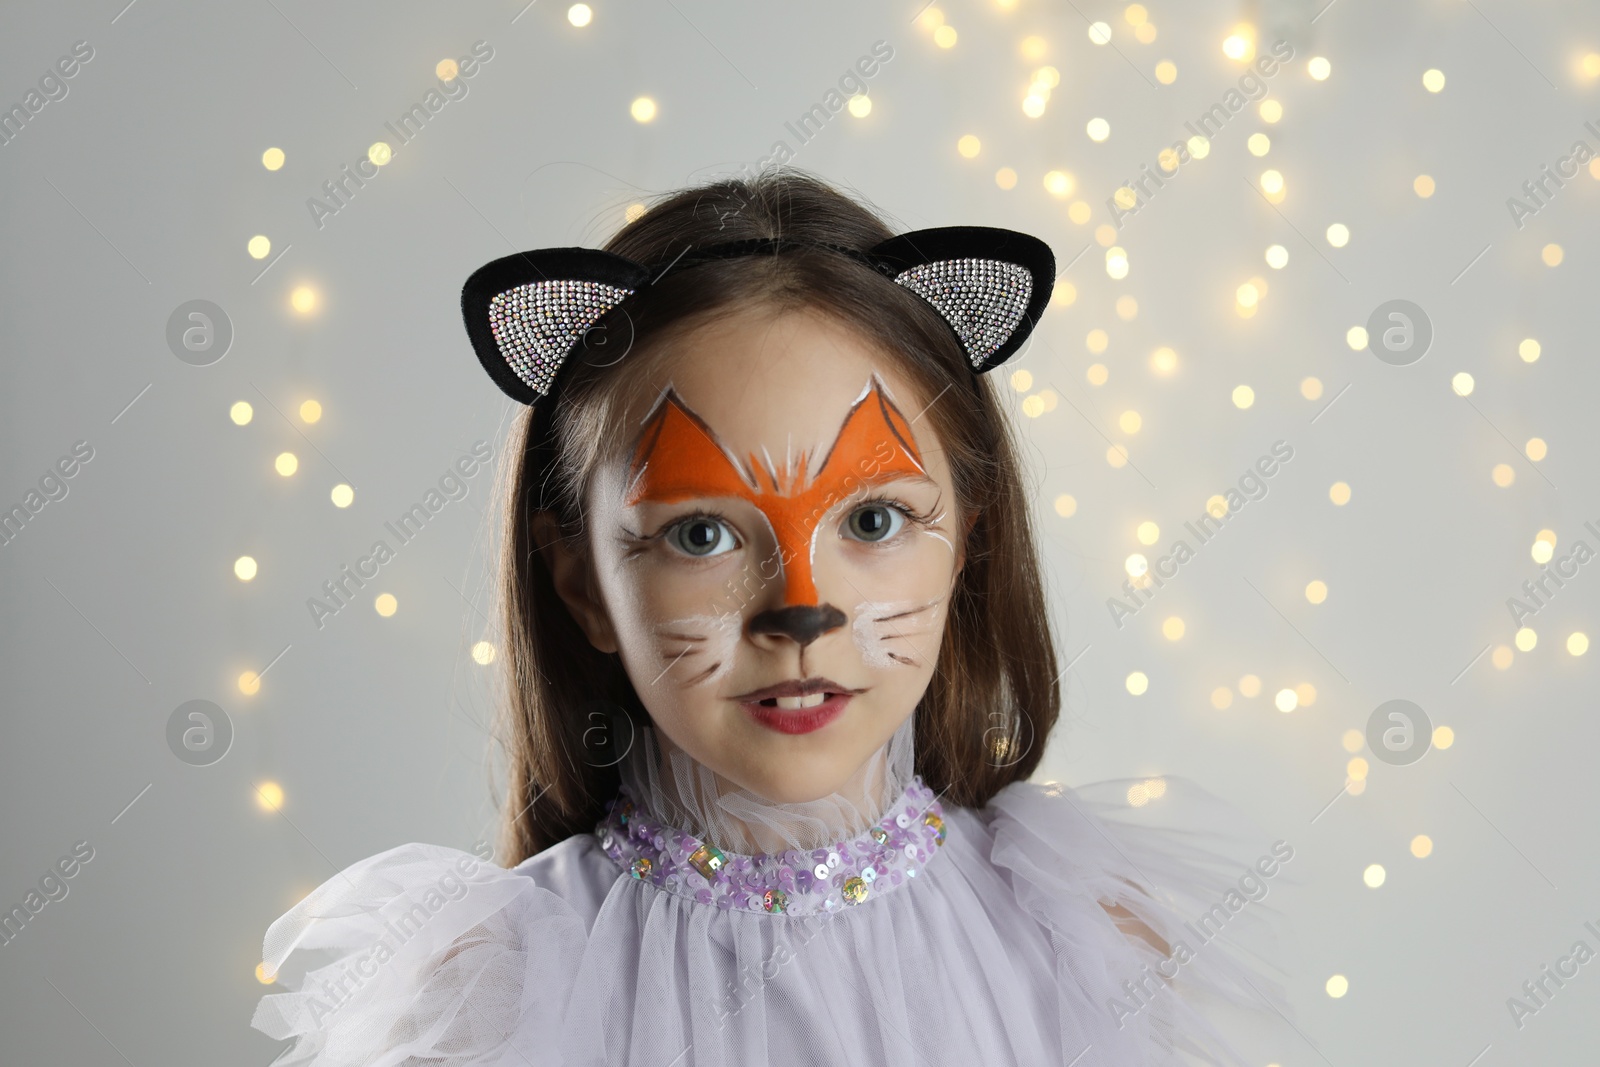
{"x": 138, "y": 191}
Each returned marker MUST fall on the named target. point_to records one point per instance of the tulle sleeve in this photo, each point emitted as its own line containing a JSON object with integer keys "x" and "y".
{"x": 421, "y": 954}
{"x": 1188, "y": 937}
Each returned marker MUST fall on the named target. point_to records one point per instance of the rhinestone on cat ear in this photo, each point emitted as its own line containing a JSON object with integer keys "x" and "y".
{"x": 527, "y": 313}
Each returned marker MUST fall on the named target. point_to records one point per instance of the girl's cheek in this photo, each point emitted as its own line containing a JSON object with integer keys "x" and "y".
{"x": 923, "y": 561}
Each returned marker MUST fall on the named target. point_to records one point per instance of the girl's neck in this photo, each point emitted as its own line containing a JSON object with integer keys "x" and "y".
{"x": 690, "y": 796}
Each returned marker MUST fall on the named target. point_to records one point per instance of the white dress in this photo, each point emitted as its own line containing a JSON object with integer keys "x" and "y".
{"x": 917, "y": 933}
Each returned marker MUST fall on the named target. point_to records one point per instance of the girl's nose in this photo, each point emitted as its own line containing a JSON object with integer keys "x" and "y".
{"x": 804, "y": 623}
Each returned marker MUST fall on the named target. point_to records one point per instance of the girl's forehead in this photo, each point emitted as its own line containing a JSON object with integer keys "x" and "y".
{"x": 779, "y": 382}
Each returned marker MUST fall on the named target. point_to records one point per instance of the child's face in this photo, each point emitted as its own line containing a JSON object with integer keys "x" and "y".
{"x": 712, "y": 587}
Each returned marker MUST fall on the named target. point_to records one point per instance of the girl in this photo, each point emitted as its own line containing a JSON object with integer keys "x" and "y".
{"x": 778, "y": 668}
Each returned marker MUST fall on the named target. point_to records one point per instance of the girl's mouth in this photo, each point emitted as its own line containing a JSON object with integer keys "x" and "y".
{"x": 797, "y": 715}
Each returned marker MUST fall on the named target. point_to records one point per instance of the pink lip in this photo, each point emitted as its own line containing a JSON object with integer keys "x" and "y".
{"x": 797, "y": 720}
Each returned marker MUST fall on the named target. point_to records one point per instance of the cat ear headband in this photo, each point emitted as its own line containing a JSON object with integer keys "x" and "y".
{"x": 527, "y": 313}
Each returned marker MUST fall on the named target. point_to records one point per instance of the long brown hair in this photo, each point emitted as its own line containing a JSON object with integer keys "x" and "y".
{"x": 568, "y": 708}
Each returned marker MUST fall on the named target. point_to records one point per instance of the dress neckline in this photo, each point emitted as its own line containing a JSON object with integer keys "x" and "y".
{"x": 796, "y": 882}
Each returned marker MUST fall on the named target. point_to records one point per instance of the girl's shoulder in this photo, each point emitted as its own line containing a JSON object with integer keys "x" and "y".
{"x": 379, "y": 961}
{"x": 1167, "y": 884}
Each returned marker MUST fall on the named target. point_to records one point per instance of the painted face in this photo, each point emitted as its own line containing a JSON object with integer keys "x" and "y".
{"x": 783, "y": 514}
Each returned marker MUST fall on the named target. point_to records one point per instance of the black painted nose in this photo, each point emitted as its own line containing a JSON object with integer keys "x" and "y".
{"x": 802, "y": 622}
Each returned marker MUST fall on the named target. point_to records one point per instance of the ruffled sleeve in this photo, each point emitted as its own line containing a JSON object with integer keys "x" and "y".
{"x": 1183, "y": 936}
{"x": 418, "y": 954}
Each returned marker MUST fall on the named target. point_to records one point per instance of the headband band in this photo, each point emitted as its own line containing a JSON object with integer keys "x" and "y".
{"x": 527, "y": 313}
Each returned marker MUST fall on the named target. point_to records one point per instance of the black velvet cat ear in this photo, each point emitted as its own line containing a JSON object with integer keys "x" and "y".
{"x": 525, "y": 313}
{"x": 990, "y": 284}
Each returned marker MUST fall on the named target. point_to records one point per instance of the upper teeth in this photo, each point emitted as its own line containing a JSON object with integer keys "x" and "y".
{"x": 809, "y": 701}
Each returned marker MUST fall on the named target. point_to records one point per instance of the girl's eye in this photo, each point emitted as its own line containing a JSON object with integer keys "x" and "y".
{"x": 702, "y": 537}
{"x": 876, "y": 522}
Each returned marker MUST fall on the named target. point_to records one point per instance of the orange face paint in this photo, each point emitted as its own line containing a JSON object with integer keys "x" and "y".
{"x": 678, "y": 457}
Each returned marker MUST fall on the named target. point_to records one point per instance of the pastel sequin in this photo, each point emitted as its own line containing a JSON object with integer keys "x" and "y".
{"x": 843, "y": 874}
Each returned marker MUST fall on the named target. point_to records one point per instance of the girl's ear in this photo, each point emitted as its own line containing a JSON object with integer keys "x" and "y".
{"x": 574, "y": 580}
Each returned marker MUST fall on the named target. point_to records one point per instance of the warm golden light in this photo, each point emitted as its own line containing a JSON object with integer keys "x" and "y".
{"x": 1374, "y": 875}
{"x": 1138, "y": 683}
{"x": 269, "y": 796}
{"x": 241, "y": 413}
{"x": 385, "y": 604}
{"x": 342, "y": 495}
{"x": 259, "y": 247}
{"x": 303, "y": 299}
{"x": 580, "y": 15}
{"x": 272, "y": 158}
{"x": 643, "y": 109}
{"x": 1422, "y": 846}
{"x": 244, "y": 568}
{"x": 1316, "y": 591}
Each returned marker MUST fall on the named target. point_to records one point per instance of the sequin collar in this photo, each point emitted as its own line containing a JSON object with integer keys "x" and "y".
{"x": 791, "y": 883}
